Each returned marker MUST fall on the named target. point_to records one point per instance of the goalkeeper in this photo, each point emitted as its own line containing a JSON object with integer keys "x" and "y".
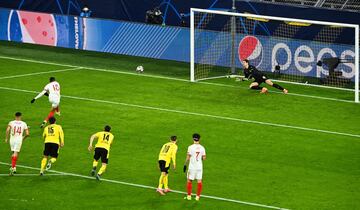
{"x": 259, "y": 77}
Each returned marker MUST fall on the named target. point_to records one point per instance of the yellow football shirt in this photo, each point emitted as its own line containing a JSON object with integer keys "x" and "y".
{"x": 104, "y": 140}
{"x": 53, "y": 134}
{"x": 168, "y": 153}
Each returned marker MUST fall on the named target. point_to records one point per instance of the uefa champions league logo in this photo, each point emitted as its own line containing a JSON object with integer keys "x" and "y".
{"x": 32, "y": 27}
{"x": 251, "y": 48}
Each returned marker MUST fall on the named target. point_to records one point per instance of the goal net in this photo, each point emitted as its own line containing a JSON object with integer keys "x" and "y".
{"x": 315, "y": 53}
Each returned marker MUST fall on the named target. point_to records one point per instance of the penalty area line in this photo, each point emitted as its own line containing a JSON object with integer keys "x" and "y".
{"x": 89, "y": 68}
{"x": 280, "y": 92}
{"x": 150, "y": 187}
{"x": 14, "y": 199}
{"x": 39, "y": 73}
{"x": 195, "y": 114}
{"x": 31, "y": 175}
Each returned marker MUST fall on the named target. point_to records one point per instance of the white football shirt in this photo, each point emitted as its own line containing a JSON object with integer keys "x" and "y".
{"x": 17, "y": 129}
{"x": 53, "y": 88}
{"x": 196, "y": 152}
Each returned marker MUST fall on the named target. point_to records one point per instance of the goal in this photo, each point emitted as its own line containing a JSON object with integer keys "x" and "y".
{"x": 304, "y": 52}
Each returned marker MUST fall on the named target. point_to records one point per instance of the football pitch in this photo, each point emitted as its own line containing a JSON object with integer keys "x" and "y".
{"x": 274, "y": 151}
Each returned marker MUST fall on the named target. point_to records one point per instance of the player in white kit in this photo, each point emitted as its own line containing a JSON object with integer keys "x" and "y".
{"x": 53, "y": 91}
{"x": 195, "y": 155}
{"x": 18, "y": 131}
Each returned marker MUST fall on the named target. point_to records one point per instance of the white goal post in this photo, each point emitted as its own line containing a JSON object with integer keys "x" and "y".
{"x": 291, "y": 50}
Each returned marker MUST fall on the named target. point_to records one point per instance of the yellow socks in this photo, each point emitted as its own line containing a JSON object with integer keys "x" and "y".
{"x": 43, "y": 164}
{"x": 95, "y": 163}
{"x": 161, "y": 181}
{"x": 53, "y": 160}
{"x": 166, "y": 181}
{"x": 102, "y": 169}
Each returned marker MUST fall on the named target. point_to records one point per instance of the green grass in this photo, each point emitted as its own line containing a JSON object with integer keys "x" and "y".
{"x": 264, "y": 164}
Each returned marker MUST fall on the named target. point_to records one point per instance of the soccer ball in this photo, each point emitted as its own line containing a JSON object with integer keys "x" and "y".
{"x": 140, "y": 69}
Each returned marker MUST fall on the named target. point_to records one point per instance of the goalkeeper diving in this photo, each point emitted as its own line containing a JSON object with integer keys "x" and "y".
{"x": 251, "y": 72}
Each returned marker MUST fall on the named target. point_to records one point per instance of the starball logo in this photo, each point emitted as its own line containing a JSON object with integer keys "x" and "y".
{"x": 32, "y": 27}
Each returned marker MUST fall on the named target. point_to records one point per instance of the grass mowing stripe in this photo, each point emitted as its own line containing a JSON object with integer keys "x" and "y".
{"x": 150, "y": 187}
{"x": 196, "y": 114}
{"x": 38, "y": 73}
{"x": 163, "y": 77}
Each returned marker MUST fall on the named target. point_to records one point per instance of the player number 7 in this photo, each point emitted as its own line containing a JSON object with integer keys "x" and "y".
{"x": 197, "y": 156}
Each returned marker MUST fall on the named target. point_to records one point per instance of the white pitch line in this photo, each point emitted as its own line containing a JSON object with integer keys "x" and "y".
{"x": 195, "y": 114}
{"x": 150, "y": 187}
{"x": 94, "y": 69}
{"x": 278, "y": 92}
{"x": 13, "y": 199}
{"x": 32, "y": 175}
{"x": 36, "y": 61}
{"x": 136, "y": 74}
{"x": 42, "y": 72}
{"x": 211, "y": 78}
{"x": 162, "y": 77}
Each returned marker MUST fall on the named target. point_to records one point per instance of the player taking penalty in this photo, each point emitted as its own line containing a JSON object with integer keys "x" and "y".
{"x": 259, "y": 77}
{"x": 195, "y": 156}
{"x": 15, "y": 131}
{"x": 53, "y": 91}
{"x": 54, "y": 137}
{"x": 166, "y": 155}
{"x": 102, "y": 150}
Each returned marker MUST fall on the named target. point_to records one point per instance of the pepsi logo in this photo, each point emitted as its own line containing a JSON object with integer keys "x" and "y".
{"x": 251, "y": 48}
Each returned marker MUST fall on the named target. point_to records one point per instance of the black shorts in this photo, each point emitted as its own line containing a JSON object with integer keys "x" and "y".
{"x": 51, "y": 149}
{"x": 101, "y": 153}
{"x": 162, "y": 166}
{"x": 260, "y": 79}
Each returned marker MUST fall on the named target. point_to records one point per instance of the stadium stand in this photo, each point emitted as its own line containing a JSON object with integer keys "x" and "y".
{"x": 352, "y": 5}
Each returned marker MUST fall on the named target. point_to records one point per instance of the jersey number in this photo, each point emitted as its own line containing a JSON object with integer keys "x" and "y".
{"x": 56, "y": 87}
{"x": 106, "y": 137}
{"x": 197, "y": 156}
{"x": 17, "y": 130}
{"x": 50, "y": 130}
{"x": 166, "y": 149}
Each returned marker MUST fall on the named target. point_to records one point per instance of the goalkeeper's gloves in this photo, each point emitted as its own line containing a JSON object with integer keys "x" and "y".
{"x": 184, "y": 168}
{"x": 33, "y": 100}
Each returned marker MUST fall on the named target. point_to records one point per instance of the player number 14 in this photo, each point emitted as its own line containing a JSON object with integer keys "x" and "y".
{"x": 17, "y": 130}
{"x": 106, "y": 137}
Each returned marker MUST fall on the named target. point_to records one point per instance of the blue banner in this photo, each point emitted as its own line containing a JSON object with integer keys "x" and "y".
{"x": 294, "y": 56}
